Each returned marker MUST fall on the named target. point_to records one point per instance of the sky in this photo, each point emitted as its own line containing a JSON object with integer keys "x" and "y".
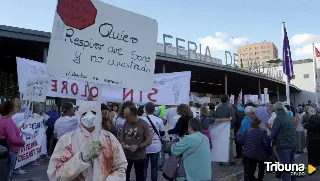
{"x": 209, "y": 22}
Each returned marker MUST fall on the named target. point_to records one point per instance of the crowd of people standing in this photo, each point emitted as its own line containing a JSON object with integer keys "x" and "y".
{"x": 164, "y": 136}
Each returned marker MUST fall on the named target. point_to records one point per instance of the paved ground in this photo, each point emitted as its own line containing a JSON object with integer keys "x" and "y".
{"x": 219, "y": 173}
{"x": 38, "y": 173}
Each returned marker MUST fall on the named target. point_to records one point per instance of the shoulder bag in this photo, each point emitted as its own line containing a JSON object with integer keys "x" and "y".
{"x": 174, "y": 168}
{"x": 153, "y": 127}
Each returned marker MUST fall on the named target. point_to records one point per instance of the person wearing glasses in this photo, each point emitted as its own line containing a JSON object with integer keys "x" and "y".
{"x": 134, "y": 138}
{"x": 75, "y": 151}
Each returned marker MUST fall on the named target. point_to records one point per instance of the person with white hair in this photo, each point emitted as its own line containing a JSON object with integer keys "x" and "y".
{"x": 73, "y": 156}
{"x": 284, "y": 133}
{"x": 246, "y": 122}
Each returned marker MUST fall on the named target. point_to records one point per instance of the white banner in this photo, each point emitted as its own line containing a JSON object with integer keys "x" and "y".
{"x": 103, "y": 44}
{"x": 32, "y": 148}
{"x": 36, "y": 89}
{"x": 200, "y": 100}
{"x": 220, "y": 138}
{"x": 168, "y": 88}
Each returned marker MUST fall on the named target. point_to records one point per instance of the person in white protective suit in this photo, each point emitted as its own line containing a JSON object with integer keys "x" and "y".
{"x": 72, "y": 159}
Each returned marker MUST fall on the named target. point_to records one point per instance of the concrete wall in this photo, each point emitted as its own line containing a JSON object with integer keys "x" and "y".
{"x": 304, "y": 80}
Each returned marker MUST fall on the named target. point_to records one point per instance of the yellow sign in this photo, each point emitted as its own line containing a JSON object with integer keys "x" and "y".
{"x": 311, "y": 169}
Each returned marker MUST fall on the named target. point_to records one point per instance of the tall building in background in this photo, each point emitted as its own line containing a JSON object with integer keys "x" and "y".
{"x": 256, "y": 52}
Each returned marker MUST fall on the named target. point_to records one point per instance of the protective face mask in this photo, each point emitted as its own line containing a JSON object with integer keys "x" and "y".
{"x": 88, "y": 119}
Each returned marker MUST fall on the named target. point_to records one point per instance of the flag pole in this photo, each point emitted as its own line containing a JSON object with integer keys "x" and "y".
{"x": 315, "y": 74}
{"x": 286, "y": 76}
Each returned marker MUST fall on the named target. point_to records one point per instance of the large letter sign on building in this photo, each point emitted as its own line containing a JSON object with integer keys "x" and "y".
{"x": 95, "y": 42}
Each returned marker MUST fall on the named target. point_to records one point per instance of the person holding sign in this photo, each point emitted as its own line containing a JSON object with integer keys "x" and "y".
{"x": 38, "y": 114}
{"x": 73, "y": 156}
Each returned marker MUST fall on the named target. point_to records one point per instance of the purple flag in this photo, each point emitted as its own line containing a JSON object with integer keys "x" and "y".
{"x": 286, "y": 56}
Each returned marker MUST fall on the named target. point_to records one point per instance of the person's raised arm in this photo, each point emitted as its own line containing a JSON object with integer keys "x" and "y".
{"x": 181, "y": 146}
{"x": 221, "y": 120}
{"x": 177, "y": 127}
{"x": 119, "y": 161}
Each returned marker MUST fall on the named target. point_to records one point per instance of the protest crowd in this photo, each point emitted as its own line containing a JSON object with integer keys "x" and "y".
{"x": 115, "y": 118}
{"x": 174, "y": 139}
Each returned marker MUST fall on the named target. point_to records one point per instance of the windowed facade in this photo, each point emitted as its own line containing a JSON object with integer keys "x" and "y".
{"x": 260, "y": 52}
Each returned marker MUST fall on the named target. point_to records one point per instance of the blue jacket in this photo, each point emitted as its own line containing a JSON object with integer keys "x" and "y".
{"x": 245, "y": 125}
{"x": 53, "y": 116}
{"x": 256, "y": 145}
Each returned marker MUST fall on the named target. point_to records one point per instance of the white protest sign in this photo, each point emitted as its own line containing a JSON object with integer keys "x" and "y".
{"x": 220, "y": 136}
{"x": 95, "y": 42}
{"x": 32, "y": 148}
{"x": 36, "y": 89}
{"x": 167, "y": 89}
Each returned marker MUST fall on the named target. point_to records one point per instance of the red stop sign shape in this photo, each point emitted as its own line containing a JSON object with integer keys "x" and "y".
{"x": 78, "y": 14}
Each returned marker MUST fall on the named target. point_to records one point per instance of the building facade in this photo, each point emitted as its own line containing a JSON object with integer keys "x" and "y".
{"x": 304, "y": 80}
{"x": 257, "y": 52}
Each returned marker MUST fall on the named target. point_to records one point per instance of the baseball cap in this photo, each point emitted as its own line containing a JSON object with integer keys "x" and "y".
{"x": 67, "y": 106}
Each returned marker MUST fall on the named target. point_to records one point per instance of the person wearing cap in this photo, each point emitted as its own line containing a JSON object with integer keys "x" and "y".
{"x": 67, "y": 123}
{"x": 250, "y": 103}
{"x": 75, "y": 152}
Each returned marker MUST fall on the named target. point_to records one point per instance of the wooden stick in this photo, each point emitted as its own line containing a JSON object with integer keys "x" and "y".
{"x": 97, "y": 132}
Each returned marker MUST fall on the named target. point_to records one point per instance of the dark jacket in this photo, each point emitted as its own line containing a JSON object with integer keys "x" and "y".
{"x": 256, "y": 145}
{"x": 181, "y": 127}
{"x": 212, "y": 113}
{"x": 284, "y": 131}
{"x": 313, "y": 127}
{"x": 206, "y": 121}
{"x": 305, "y": 120}
{"x": 239, "y": 115}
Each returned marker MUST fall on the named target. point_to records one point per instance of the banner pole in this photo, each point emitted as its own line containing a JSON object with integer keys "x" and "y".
{"x": 97, "y": 132}
{"x": 315, "y": 74}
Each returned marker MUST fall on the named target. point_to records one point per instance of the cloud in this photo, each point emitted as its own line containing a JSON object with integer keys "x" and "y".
{"x": 306, "y": 51}
{"x": 221, "y": 34}
{"x": 238, "y": 41}
{"x": 221, "y": 42}
{"x": 303, "y": 42}
{"x": 304, "y": 39}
